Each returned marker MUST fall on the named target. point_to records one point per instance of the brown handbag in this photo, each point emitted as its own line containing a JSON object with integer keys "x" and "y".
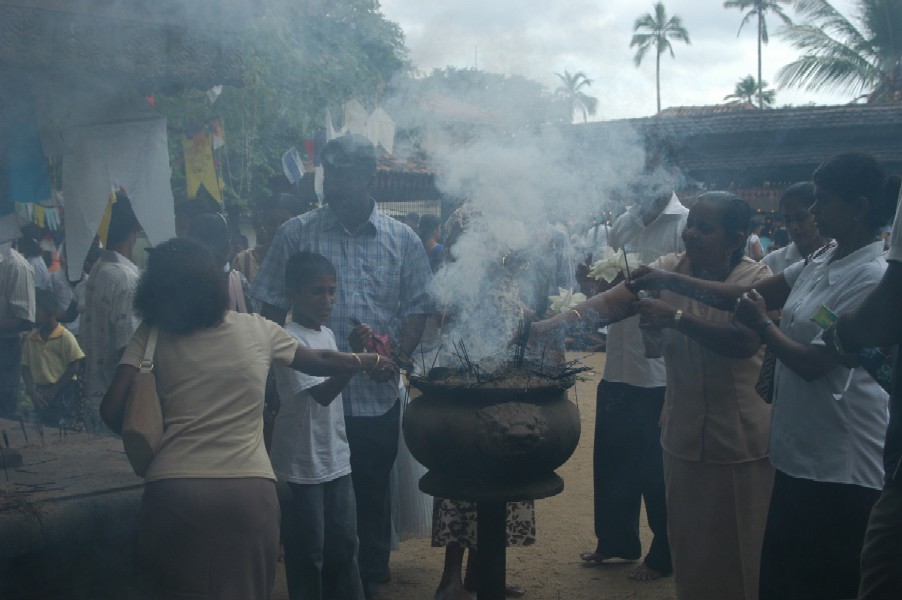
{"x": 142, "y": 425}
{"x": 765, "y": 384}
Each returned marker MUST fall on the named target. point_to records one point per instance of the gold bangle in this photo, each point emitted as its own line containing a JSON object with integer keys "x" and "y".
{"x": 359, "y": 362}
{"x": 578, "y": 316}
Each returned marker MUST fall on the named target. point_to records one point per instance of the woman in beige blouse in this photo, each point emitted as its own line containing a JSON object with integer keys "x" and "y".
{"x": 714, "y": 426}
{"x": 209, "y": 524}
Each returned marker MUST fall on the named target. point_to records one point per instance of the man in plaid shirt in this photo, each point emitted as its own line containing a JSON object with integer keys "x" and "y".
{"x": 383, "y": 275}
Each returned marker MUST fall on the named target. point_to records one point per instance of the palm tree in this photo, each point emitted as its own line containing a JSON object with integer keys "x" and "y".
{"x": 571, "y": 92}
{"x": 861, "y": 57}
{"x": 657, "y": 30}
{"x": 747, "y": 89}
{"x": 759, "y": 8}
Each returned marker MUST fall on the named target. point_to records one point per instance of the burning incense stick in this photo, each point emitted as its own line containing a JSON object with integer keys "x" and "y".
{"x": 626, "y": 264}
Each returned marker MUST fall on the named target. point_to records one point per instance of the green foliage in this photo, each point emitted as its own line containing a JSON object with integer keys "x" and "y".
{"x": 863, "y": 56}
{"x": 759, "y": 8}
{"x": 655, "y": 31}
{"x": 302, "y": 58}
{"x": 470, "y": 96}
{"x": 747, "y": 91}
{"x": 571, "y": 92}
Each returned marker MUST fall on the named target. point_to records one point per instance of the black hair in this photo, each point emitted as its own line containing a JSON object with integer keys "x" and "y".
{"x": 735, "y": 217}
{"x": 353, "y": 152}
{"x": 211, "y": 230}
{"x": 803, "y": 190}
{"x": 182, "y": 290}
{"x": 304, "y": 267}
{"x": 45, "y": 300}
{"x": 123, "y": 221}
{"x": 781, "y": 238}
{"x": 427, "y": 225}
{"x": 29, "y": 246}
{"x": 288, "y": 202}
{"x": 854, "y": 175}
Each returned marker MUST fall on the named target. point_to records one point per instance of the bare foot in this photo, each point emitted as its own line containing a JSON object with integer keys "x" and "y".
{"x": 645, "y": 573}
{"x": 453, "y": 590}
{"x": 514, "y": 591}
{"x": 592, "y": 559}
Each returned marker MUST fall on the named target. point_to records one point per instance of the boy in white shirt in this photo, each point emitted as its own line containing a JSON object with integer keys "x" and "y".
{"x": 310, "y": 448}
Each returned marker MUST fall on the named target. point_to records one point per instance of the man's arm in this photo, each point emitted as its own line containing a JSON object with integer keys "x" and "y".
{"x": 411, "y": 332}
{"x": 274, "y": 313}
{"x": 14, "y": 325}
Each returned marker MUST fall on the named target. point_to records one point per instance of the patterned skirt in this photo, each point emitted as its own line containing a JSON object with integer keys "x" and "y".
{"x": 454, "y": 521}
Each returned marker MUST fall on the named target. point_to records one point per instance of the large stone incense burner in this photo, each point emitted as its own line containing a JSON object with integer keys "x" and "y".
{"x": 493, "y": 436}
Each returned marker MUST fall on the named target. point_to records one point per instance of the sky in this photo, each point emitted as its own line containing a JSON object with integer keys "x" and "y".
{"x": 538, "y": 38}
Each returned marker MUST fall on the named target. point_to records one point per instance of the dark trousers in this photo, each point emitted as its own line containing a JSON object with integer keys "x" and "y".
{"x": 881, "y": 556}
{"x": 319, "y": 528}
{"x": 374, "y": 447}
{"x": 10, "y": 353}
{"x": 627, "y": 468}
{"x": 813, "y": 539}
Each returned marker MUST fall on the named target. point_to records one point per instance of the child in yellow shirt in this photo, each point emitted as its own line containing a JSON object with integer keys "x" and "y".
{"x": 50, "y": 359}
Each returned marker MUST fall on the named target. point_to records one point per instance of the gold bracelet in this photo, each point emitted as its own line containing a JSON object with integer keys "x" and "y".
{"x": 578, "y": 316}
{"x": 359, "y": 362}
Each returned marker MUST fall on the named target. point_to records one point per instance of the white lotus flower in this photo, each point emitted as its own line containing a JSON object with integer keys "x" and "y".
{"x": 613, "y": 264}
{"x": 566, "y": 300}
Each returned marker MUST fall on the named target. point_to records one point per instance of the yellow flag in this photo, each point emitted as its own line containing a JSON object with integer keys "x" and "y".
{"x": 104, "y": 227}
{"x": 199, "y": 165}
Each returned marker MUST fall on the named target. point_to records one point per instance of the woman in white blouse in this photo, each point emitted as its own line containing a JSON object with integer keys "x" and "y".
{"x": 829, "y": 421}
{"x": 805, "y": 239}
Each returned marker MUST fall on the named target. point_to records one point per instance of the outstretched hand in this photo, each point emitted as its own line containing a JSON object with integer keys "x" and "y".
{"x": 644, "y": 277}
{"x": 383, "y": 370}
{"x": 751, "y": 310}
{"x": 654, "y": 313}
{"x": 360, "y": 337}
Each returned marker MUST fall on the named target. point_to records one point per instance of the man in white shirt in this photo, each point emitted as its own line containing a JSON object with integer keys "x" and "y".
{"x": 16, "y": 316}
{"x": 627, "y": 462}
{"x": 109, "y": 321}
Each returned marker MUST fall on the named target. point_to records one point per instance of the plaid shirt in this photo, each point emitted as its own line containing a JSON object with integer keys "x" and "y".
{"x": 383, "y": 276}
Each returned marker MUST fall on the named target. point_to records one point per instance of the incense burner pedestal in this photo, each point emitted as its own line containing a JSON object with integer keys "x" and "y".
{"x": 491, "y": 446}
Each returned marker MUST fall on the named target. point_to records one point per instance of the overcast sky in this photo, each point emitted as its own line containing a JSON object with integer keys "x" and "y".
{"x": 541, "y": 37}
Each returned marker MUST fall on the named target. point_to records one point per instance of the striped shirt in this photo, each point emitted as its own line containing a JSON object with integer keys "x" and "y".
{"x": 109, "y": 320}
{"x": 16, "y": 286}
{"x": 383, "y": 275}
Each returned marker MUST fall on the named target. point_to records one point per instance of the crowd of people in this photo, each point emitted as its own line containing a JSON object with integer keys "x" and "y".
{"x": 763, "y": 446}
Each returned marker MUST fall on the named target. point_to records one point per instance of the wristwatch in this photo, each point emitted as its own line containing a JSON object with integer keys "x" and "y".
{"x": 762, "y": 327}
{"x": 677, "y": 316}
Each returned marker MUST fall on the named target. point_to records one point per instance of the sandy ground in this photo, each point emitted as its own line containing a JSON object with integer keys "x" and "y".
{"x": 550, "y": 570}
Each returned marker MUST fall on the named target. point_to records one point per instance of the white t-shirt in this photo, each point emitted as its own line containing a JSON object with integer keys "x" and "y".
{"x": 625, "y": 351}
{"x": 41, "y": 274}
{"x": 831, "y": 429}
{"x": 309, "y": 443}
{"x": 778, "y": 260}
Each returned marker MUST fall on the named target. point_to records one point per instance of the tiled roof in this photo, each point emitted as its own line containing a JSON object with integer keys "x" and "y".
{"x": 779, "y": 144}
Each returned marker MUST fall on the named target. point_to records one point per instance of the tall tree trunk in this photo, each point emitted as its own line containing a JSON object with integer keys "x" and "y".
{"x": 760, "y": 30}
{"x": 658, "y": 75}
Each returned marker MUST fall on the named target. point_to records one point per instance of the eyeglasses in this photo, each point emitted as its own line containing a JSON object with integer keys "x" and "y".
{"x": 799, "y": 217}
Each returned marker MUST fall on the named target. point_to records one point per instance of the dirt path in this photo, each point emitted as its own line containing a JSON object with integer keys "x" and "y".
{"x": 550, "y": 570}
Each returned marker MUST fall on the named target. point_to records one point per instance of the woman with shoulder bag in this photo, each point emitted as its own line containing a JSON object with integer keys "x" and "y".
{"x": 209, "y": 524}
